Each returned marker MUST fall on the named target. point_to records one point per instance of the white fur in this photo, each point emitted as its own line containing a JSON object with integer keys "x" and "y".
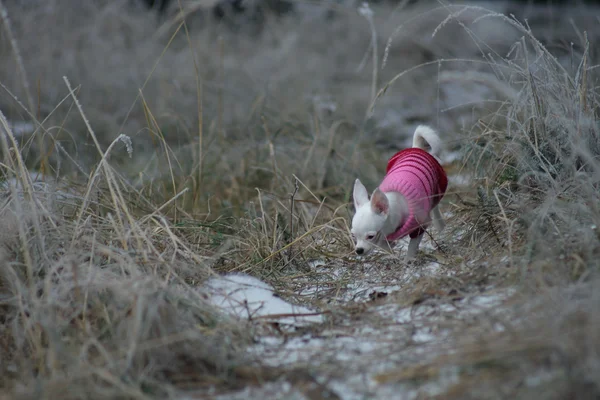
{"x": 425, "y": 135}
{"x": 379, "y": 216}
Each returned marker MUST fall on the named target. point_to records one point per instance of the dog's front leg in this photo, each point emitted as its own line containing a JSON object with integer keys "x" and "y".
{"x": 413, "y": 246}
{"x": 438, "y": 220}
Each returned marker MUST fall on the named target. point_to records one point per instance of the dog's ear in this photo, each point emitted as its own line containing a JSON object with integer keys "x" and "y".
{"x": 379, "y": 202}
{"x": 361, "y": 196}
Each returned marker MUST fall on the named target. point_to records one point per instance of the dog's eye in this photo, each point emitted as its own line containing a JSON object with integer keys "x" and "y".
{"x": 370, "y": 237}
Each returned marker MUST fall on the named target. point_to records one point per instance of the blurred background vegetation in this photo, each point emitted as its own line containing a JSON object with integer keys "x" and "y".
{"x": 245, "y": 124}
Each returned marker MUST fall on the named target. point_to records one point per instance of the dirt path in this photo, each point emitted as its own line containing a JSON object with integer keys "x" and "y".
{"x": 374, "y": 329}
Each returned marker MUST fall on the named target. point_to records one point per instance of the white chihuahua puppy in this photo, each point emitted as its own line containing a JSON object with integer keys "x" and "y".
{"x": 405, "y": 201}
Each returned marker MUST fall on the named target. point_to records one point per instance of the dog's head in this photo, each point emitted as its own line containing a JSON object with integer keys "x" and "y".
{"x": 369, "y": 220}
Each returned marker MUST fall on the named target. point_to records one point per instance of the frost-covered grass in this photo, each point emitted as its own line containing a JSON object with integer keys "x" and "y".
{"x": 176, "y": 201}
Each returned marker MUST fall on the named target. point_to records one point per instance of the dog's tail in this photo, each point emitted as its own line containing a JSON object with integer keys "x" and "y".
{"x": 424, "y": 136}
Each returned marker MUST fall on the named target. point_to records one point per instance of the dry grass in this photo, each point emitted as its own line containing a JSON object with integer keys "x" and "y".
{"x": 535, "y": 163}
{"x": 172, "y": 154}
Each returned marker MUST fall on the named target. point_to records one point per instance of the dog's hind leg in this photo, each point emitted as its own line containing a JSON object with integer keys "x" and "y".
{"x": 413, "y": 246}
{"x": 438, "y": 220}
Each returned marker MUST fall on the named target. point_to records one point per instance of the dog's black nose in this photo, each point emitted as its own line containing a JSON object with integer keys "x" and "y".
{"x": 360, "y": 250}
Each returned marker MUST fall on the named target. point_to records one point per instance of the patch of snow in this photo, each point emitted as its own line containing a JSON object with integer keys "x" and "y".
{"x": 244, "y": 296}
{"x": 448, "y": 157}
{"x": 487, "y": 301}
{"x": 460, "y": 179}
{"x": 389, "y": 337}
{"x": 422, "y": 336}
{"x": 541, "y": 377}
{"x": 341, "y": 284}
{"x": 21, "y": 128}
{"x": 45, "y": 188}
{"x": 280, "y": 352}
{"x": 36, "y": 177}
{"x": 316, "y": 263}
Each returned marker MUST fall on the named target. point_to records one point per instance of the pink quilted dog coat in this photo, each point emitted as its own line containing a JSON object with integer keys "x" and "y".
{"x": 420, "y": 178}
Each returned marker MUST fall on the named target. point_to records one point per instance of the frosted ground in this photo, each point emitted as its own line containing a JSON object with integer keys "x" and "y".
{"x": 365, "y": 332}
{"x": 176, "y": 201}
